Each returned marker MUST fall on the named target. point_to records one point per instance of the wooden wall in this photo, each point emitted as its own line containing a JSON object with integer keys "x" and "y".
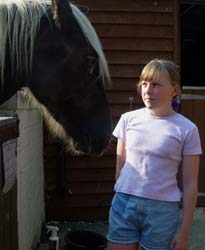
{"x": 193, "y": 105}
{"x": 132, "y": 33}
{"x": 8, "y": 201}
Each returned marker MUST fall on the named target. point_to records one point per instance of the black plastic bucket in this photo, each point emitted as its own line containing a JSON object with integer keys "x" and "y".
{"x": 85, "y": 240}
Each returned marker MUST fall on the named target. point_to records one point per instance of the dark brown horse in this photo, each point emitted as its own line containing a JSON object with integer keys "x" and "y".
{"x": 52, "y": 51}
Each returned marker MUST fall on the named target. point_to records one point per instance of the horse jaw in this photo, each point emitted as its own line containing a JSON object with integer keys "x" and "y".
{"x": 54, "y": 127}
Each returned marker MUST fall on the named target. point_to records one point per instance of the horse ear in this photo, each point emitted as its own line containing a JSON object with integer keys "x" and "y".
{"x": 62, "y": 13}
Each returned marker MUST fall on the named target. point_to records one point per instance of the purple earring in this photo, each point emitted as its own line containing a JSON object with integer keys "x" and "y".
{"x": 175, "y": 104}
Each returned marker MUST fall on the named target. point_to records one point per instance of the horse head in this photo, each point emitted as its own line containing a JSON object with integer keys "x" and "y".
{"x": 67, "y": 78}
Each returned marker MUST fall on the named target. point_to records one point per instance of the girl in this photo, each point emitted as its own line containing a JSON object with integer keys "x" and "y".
{"x": 152, "y": 142}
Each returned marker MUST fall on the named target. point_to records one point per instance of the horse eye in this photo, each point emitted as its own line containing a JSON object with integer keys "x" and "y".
{"x": 91, "y": 61}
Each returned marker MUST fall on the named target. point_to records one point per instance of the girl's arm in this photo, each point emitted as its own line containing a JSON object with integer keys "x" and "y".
{"x": 190, "y": 190}
{"x": 121, "y": 156}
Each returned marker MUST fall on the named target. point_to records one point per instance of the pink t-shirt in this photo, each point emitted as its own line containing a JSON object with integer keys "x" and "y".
{"x": 154, "y": 150}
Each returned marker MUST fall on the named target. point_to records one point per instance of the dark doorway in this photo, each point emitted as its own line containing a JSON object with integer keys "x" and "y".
{"x": 192, "y": 39}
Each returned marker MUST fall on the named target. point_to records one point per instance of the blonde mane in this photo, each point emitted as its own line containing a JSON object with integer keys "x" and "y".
{"x": 56, "y": 129}
{"x": 19, "y": 22}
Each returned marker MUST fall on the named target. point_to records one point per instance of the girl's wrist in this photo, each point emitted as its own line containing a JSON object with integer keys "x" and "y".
{"x": 184, "y": 231}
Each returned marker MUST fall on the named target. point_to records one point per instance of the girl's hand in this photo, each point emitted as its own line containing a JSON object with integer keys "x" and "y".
{"x": 180, "y": 242}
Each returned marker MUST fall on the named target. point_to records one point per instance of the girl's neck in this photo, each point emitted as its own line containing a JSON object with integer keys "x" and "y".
{"x": 160, "y": 112}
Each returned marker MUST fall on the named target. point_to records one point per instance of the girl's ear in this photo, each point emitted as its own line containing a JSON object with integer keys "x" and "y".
{"x": 139, "y": 88}
{"x": 176, "y": 90}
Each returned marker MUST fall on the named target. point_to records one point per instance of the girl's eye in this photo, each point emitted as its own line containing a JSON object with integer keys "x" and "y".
{"x": 156, "y": 84}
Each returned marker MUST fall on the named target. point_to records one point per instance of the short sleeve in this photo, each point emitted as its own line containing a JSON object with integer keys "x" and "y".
{"x": 192, "y": 144}
{"x": 120, "y": 129}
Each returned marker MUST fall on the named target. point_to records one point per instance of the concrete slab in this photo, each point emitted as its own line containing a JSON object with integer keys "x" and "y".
{"x": 197, "y": 237}
{"x": 43, "y": 247}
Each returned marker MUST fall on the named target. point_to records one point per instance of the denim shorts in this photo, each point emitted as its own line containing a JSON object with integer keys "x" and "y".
{"x": 152, "y": 223}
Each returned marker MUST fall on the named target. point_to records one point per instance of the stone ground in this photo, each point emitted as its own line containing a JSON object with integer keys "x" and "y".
{"x": 197, "y": 238}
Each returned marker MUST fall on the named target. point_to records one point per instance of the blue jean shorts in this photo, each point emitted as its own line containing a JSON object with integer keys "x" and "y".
{"x": 152, "y": 223}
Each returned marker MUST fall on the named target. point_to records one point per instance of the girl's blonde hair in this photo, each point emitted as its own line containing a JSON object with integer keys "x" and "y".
{"x": 152, "y": 70}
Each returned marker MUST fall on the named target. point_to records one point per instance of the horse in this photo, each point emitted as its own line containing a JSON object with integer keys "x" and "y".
{"x": 50, "y": 51}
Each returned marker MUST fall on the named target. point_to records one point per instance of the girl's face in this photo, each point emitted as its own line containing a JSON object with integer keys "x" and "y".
{"x": 157, "y": 94}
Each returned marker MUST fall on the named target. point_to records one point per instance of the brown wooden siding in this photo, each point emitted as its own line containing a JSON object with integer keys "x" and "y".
{"x": 8, "y": 201}
{"x": 194, "y": 110}
{"x": 132, "y": 33}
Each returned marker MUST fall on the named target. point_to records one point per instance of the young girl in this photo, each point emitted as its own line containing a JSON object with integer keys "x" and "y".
{"x": 152, "y": 142}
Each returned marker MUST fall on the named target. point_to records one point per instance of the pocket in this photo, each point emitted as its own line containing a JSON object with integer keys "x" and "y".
{"x": 119, "y": 203}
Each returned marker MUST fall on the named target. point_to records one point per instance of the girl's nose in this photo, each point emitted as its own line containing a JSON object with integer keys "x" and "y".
{"x": 149, "y": 88}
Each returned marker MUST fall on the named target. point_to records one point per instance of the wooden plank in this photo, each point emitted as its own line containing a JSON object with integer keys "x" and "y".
{"x": 9, "y": 224}
{"x": 201, "y": 201}
{"x": 125, "y": 44}
{"x": 92, "y": 187}
{"x": 78, "y": 213}
{"x": 193, "y": 90}
{"x": 125, "y": 71}
{"x": 118, "y": 109}
{"x": 135, "y": 57}
{"x": 132, "y": 17}
{"x": 134, "y": 31}
{"x": 73, "y": 201}
{"x": 82, "y": 188}
{"x": 9, "y": 132}
{"x": 165, "y": 6}
{"x": 176, "y": 23}
{"x": 49, "y": 150}
{"x": 118, "y": 83}
{"x": 90, "y": 175}
{"x": 124, "y": 97}
{"x": 82, "y": 162}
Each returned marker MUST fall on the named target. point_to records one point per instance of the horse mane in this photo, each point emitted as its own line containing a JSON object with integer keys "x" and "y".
{"x": 19, "y": 23}
{"x": 56, "y": 129}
